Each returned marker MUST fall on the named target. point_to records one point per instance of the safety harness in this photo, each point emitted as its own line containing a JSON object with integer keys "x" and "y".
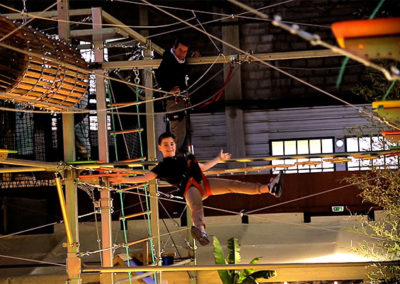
{"x": 192, "y": 182}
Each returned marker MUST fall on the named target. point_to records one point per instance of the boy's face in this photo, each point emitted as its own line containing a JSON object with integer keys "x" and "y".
{"x": 181, "y": 51}
{"x": 167, "y": 147}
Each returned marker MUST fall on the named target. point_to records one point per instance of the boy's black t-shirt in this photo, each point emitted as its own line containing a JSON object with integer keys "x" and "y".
{"x": 175, "y": 171}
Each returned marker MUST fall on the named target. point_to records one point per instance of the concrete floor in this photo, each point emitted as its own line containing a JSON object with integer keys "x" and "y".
{"x": 276, "y": 238}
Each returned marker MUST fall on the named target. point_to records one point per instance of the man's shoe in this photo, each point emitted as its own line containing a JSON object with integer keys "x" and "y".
{"x": 275, "y": 185}
{"x": 200, "y": 236}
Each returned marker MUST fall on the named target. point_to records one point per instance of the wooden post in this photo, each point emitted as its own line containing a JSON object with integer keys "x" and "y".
{"x": 74, "y": 263}
{"x": 151, "y": 154}
{"x": 105, "y": 200}
{"x": 233, "y": 92}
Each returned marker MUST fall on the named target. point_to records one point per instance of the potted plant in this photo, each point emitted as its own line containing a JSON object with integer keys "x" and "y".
{"x": 246, "y": 276}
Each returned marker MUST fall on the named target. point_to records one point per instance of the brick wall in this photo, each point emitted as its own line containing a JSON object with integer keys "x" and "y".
{"x": 263, "y": 87}
{"x": 264, "y": 84}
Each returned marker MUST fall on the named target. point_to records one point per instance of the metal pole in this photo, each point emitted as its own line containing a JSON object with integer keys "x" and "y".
{"x": 64, "y": 211}
{"x": 266, "y": 266}
{"x": 192, "y": 248}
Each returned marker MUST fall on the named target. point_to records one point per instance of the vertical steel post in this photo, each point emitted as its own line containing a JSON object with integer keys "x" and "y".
{"x": 192, "y": 248}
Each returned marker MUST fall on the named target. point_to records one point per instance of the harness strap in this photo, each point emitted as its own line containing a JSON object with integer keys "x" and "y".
{"x": 192, "y": 182}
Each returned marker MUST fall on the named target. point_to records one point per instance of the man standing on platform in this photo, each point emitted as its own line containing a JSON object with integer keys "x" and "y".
{"x": 172, "y": 76}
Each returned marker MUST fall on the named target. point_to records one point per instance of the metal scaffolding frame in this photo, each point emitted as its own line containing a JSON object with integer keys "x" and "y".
{"x": 69, "y": 207}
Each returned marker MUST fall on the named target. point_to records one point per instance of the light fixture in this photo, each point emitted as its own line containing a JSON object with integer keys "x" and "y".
{"x": 339, "y": 143}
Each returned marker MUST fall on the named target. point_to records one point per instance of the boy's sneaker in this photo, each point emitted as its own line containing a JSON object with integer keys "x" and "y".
{"x": 275, "y": 185}
{"x": 200, "y": 236}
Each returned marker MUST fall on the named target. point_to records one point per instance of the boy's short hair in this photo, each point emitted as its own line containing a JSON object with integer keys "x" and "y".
{"x": 165, "y": 135}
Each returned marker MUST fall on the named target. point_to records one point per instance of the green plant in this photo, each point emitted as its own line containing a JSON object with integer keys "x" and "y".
{"x": 381, "y": 187}
{"x": 374, "y": 85}
{"x": 246, "y": 276}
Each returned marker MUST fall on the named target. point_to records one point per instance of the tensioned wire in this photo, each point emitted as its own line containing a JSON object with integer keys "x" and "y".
{"x": 146, "y": 191}
{"x": 254, "y": 216}
{"x": 113, "y": 78}
{"x": 274, "y": 67}
{"x": 225, "y": 211}
{"x": 43, "y": 226}
{"x": 55, "y": 223}
{"x": 170, "y": 235}
{"x": 96, "y": 224}
{"x": 168, "y": 94}
{"x": 81, "y": 111}
{"x": 225, "y": 16}
{"x": 25, "y": 23}
{"x": 264, "y": 218}
{"x": 33, "y": 260}
{"x": 112, "y": 99}
{"x": 33, "y": 16}
{"x": 256, "y": 59}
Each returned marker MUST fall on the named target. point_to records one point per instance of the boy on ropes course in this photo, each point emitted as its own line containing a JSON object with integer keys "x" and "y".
{"x": 187, "y": 175}
{"x": 172, "y": 76}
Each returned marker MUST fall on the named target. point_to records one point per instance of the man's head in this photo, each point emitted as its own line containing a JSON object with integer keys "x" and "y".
{"x": 180, "y": 48}
{"x": 167, "y": 145}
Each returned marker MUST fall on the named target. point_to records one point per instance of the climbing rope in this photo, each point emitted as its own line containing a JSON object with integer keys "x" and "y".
{"x": 217, "y": 95}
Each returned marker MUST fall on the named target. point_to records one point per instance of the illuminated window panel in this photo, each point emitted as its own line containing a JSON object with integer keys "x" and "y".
{"x": 352, "y": 144}
{"x": 315, "y": 146}
{"x": 277, "y": 148}
{"x": 290, "y": 147}
{"x": 327, "y": 146}
{"x": 303, "y": 147}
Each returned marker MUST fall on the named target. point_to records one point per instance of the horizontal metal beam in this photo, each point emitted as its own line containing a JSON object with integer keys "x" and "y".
{"x": 105, "y": 32}
{"x": 34, "y": 164}
{"x": 84, "y": 12}
{"x": 112, "y": 20}
{"x": 48, "y": 14}
{"x": 21, "y": 170}
{"x": 126, "y": 65}
{"x": 368, "y": 155}
{"x": 231, "y": 267}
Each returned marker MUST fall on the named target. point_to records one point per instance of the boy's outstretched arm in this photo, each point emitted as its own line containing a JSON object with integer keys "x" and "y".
{"x": 220, "y": 158}
{"x": 148, "y": 176}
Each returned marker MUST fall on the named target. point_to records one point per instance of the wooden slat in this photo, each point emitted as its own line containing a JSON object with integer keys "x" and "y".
{"x": 135, "y": 215}
{"x": 126, "y": 131}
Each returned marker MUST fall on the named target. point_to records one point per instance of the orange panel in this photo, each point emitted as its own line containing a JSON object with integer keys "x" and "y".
{"x": 365, "y": 28}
